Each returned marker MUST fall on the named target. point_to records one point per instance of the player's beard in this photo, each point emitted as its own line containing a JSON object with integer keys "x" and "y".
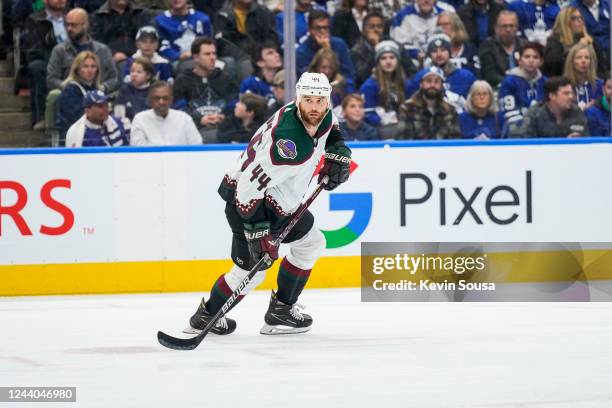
{"x": 310, "y": 118}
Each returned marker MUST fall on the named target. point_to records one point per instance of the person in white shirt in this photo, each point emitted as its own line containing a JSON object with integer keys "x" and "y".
{"x": 162, "y": 126}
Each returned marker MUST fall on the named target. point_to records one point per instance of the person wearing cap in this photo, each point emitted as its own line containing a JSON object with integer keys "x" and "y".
{"x": 147, "y": 43}
{"x": 267, "y": 60}
{"x": 115, "y": 24}
{"x": 178, "y": 27}
{"x": 426, "y": 115}
{"x": 385, "y": 90}
{"x": 97, "y": 127}
{"x": 261, "y": 190}
{"x": 457, "y": 80}
{"x": 414, "y": 24}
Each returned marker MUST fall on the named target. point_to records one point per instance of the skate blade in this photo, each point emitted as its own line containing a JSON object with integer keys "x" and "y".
{"x": 191, "y": 330}
{"x": 276, "y": 330}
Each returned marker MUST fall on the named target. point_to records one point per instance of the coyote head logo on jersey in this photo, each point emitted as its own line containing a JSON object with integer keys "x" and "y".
{"x": 286, "y": 149}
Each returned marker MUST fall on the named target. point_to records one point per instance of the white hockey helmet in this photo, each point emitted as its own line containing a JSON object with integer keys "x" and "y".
{"x": 312, "y": 83}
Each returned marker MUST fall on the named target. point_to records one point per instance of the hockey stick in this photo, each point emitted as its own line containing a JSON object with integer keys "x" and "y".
{"x": 193, "y": 342}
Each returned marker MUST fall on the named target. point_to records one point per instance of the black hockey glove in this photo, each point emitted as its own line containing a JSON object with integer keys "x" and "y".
{"x": 261, "y": 241}
{"x": 337, "y": 165}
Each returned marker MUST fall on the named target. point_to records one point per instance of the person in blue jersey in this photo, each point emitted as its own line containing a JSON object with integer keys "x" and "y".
{"x": 97, "y": 128}
{"x": 580, "y": 70}
{"x": 267, "y": 61}
{"x": 457, "y": 80}
{"x": 479, "y": 120}
{"x": 522, "y": 88}
{"x": 319, "y": 37}
{"x": 596, "y": 14}
{"x": 302, "y": 9}
{"x": 536, "y": 18}
{"x": 178, "y": 27}
{"x": 414, "y": 24}
{"x": 479, "y": 17}
{"x": 326, "y": 62}
{"x": 598, "y": 115}
{"x": 347, "y": 22}
{"x": 385, "y": 90}
{"x": 463, "y": 53}
{"x": 352, "y": 126}
{"x": 147, "y": 42}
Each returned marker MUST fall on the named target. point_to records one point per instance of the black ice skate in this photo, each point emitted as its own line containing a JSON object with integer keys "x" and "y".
{"x": 201, "y": 318}
{"x": 285, "y": 319}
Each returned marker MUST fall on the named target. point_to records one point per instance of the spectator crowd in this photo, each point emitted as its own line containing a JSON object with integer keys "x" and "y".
{"x": 162, "y": 72}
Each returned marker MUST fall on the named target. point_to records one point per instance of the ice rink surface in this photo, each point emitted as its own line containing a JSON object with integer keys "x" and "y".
{"x": 425, "y": 355}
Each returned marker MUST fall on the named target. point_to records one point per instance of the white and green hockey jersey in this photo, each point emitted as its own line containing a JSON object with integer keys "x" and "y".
{"x": 271, "y": 176}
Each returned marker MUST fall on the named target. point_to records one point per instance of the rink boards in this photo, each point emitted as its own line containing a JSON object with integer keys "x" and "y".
{"x": 149, "y": 220}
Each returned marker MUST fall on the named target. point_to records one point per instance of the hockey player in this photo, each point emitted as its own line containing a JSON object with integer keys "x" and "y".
{"x": 522, "y": 88}
{"x": 262, "y": 189}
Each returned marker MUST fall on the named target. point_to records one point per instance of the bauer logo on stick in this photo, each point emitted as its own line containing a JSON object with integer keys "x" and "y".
{"x": 286, "y": 149}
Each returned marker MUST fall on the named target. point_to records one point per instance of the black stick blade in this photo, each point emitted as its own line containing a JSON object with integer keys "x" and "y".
{"x": 178, "y": 344}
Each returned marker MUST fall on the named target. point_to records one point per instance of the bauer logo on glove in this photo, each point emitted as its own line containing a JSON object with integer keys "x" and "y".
{"x": 337, "y": 165}
{"x": 261, "y": 242}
